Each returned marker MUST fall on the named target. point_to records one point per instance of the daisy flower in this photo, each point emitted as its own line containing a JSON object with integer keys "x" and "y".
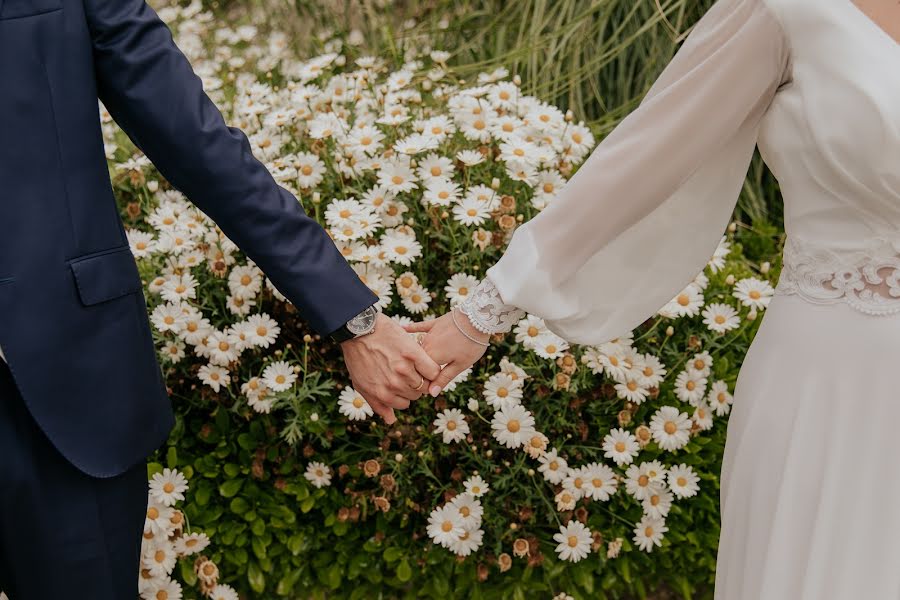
{"x": 528, "y": 331}
{"x": 159, "y": 559}
{"x": 352, "y": 405}
{"x": 670, "y": 428}
{"x": 445, "y": 525}
{"x": 214, "y": 376}
{"x": 703, "y": 416}
{"x": 459, "y": 286}
{"x": 469, "y": 509}
{"x": 683, "y": 481}
{"x": 190, "y": 544}
{"x": 245, "y": 281}
{"x": 158, "y": 519}
{"x": 553, "y": 467}
{"x": 701, "y": 363}
{"x": 630, "y": 389}
{"x": 476, "y": 486}
{"x": 168, "y": 487}
{"x": 550, "y": 346}
{"x": 719, "y": 398}
{"x": 720, "y": 317}
{"x": 435, "y": 167}
{"x": 641, "y": 480}
{"x": 397, "y": 177}
{"x": 753, "y": 292}
{"x": 168, "y": 317}
{"x": 318, "y": 474}
{"x": 601, "y": 481}
{"x": 471, "y": 212}
{"x": 417, "y": 300}
{"x": 621, "y": 446}
{"x": 222, "y": 348}
{"x": 565, "y": 500}
{"x": 717, "y": 262}
{"x": 401, "y": 249}
{"x": 576, "y": 482}
{"x": 263, "y": 330}
{"x": 223, "y": 592}
{"x": 162, "y": 587}
{"x": 173, "y": 351}
{"x": 690, "y": 386}
{"x": 536, "y": 444}
{"x": 687, "y": 303}
{"x": 470, "y": 158}
{"x": 279, "y": 376}
{"x": 142, "y": 243}
{"x": 451, "y": 424}
{"x": 658, "y": 503}
{"x": 501, "y": 391}
{"x": 574, "y": 541}
{"x": 649, "y": 532}
{"x": 512, "y": 425}
{"x": 469, "y": 541}
{"x": 441, "y": 192}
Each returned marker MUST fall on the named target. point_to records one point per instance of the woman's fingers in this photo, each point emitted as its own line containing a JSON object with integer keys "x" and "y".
{"x": 420, "y": 326}
{"x": 447, "y": 375}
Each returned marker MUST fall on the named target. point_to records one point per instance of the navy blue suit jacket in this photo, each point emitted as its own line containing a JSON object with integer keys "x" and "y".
{"x": 73, "y": 320}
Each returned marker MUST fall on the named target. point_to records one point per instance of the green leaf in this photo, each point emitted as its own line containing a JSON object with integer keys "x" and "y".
{"x": 392, "y": 554}
{"x": 172, "y": 457}
{"x": 239, "y": 506}
{"x": 256, "y": 578}
{"x": 404, "y": 571}
{"x": 259, "y": 547}
{"x": 230, "y": 487}
{"x": 307, "y": 504}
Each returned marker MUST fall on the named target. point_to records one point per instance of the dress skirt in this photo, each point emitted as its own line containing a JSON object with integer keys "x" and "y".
{"x": 810, "y": 483}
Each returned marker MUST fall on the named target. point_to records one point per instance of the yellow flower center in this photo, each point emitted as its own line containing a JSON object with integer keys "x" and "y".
{"x": 245, "y": 280}
{"x": 754, "y": 294}
{"x": 573, "y": 541}
{"x": 683, "y": 299}
{"x": 169, "y": 487}
{"x": 451, "y": 425}
{"x": 261, "y": 331}
{"x": 620, "y": 446}
{"x": 670, "y": 427}
{"x": 681, "y": 481}
{"x": 397, "y": 180}
{"x": 279, "y": 379}
{"x": 513, "y": 425}
{"x": 357, "y": 402}
{"x": 447, "y": 526}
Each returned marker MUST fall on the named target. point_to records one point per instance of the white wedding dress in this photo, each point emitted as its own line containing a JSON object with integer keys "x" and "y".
{"x": 810, "y": 478}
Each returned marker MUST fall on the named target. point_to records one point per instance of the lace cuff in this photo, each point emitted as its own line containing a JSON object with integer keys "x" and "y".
{"x": 486, "y": 310}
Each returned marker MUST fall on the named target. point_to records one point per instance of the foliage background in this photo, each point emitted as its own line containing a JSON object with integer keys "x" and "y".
{"x": 276, "y": 536}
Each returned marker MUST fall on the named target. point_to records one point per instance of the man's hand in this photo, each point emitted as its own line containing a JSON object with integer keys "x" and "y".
{"x": 448, "y": 346}
{"x": 389, "y": 368}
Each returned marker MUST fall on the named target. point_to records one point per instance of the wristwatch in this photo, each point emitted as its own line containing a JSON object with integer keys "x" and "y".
{"x": 360, "y": 325}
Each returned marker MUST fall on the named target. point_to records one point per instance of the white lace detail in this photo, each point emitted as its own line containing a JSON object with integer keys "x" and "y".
{"x": 866, "y": 276}
{"x": 486, "y": 310}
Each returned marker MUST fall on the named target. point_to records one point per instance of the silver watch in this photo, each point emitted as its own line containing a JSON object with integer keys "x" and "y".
{"x": 360, "y": 325}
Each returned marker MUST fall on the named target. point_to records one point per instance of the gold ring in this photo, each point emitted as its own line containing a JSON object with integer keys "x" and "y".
{"x": 421, "y": 383}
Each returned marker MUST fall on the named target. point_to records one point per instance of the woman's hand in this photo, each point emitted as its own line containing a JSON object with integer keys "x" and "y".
{"x": 448, "y": 346}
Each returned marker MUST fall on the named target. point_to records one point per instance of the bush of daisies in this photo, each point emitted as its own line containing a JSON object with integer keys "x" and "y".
{"x": 546, "y": 470}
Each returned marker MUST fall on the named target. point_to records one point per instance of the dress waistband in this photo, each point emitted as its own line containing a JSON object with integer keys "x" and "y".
{"x": 865, "y": 275}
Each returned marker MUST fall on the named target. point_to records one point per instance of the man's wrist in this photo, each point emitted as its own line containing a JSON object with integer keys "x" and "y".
{"x": 359, "y": 326}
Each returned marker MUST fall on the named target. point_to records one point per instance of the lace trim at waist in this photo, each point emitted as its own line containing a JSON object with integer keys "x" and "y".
{"x": 866, "y": 276}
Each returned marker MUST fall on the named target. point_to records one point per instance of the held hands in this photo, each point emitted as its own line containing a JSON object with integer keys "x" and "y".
{"x": 456, "y": 345}
{"x": 389, "y": 368}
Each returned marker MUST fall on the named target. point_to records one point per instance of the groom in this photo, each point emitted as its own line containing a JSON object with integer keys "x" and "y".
{"x": 82, "y": 400}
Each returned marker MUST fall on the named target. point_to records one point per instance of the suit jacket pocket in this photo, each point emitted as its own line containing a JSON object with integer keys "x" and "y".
{"x": 106, "y": 275}
{"x": 16, "y": 9}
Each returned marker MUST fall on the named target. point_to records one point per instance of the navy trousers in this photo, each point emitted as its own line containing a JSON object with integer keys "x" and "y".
{"x": 63, "y": 533}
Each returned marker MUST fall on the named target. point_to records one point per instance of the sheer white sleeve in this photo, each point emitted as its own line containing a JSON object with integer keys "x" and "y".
{"x": 646, "y": 211}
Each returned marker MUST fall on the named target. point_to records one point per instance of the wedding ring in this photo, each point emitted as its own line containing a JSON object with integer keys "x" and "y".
{"x": 421, "y": 383}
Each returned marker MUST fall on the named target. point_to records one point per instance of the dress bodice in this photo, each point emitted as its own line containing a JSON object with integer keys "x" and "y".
{"x": 832, "y": 139}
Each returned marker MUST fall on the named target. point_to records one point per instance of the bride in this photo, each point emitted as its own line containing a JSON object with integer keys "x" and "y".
{"x": 809, "y": 476}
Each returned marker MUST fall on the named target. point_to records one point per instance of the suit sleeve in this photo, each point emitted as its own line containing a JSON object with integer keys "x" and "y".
{"x": 150, "y": 89}
{"x": 646, "y": 211}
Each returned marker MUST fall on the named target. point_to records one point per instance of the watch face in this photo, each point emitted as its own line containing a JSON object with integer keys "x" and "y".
{"x": 363, "y": 323}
